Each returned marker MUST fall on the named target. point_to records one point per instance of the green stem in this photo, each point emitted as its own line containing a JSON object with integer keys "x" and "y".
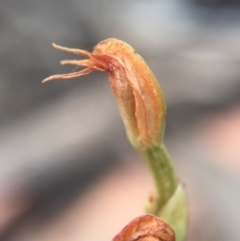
{"x": 161, "y": 167}
{"x": 170, "y": 202}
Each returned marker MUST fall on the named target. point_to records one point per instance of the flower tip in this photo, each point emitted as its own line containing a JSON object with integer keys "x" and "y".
{"x": 47, "y": 79}
{"x": 74, "y": 62}
{"x": 55, "y": 77}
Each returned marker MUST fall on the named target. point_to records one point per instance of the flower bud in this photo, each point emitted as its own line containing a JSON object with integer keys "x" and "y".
{"x": 146, "y": 228}
{"x": 136, "y": 89}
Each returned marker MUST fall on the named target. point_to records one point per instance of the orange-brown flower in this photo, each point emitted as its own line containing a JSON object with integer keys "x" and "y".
{"x": 146, "y": 228}
{"x": 137, "y": 91}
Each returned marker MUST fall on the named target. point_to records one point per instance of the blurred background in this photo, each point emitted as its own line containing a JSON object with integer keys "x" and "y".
{"x": 67, "y": 171}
